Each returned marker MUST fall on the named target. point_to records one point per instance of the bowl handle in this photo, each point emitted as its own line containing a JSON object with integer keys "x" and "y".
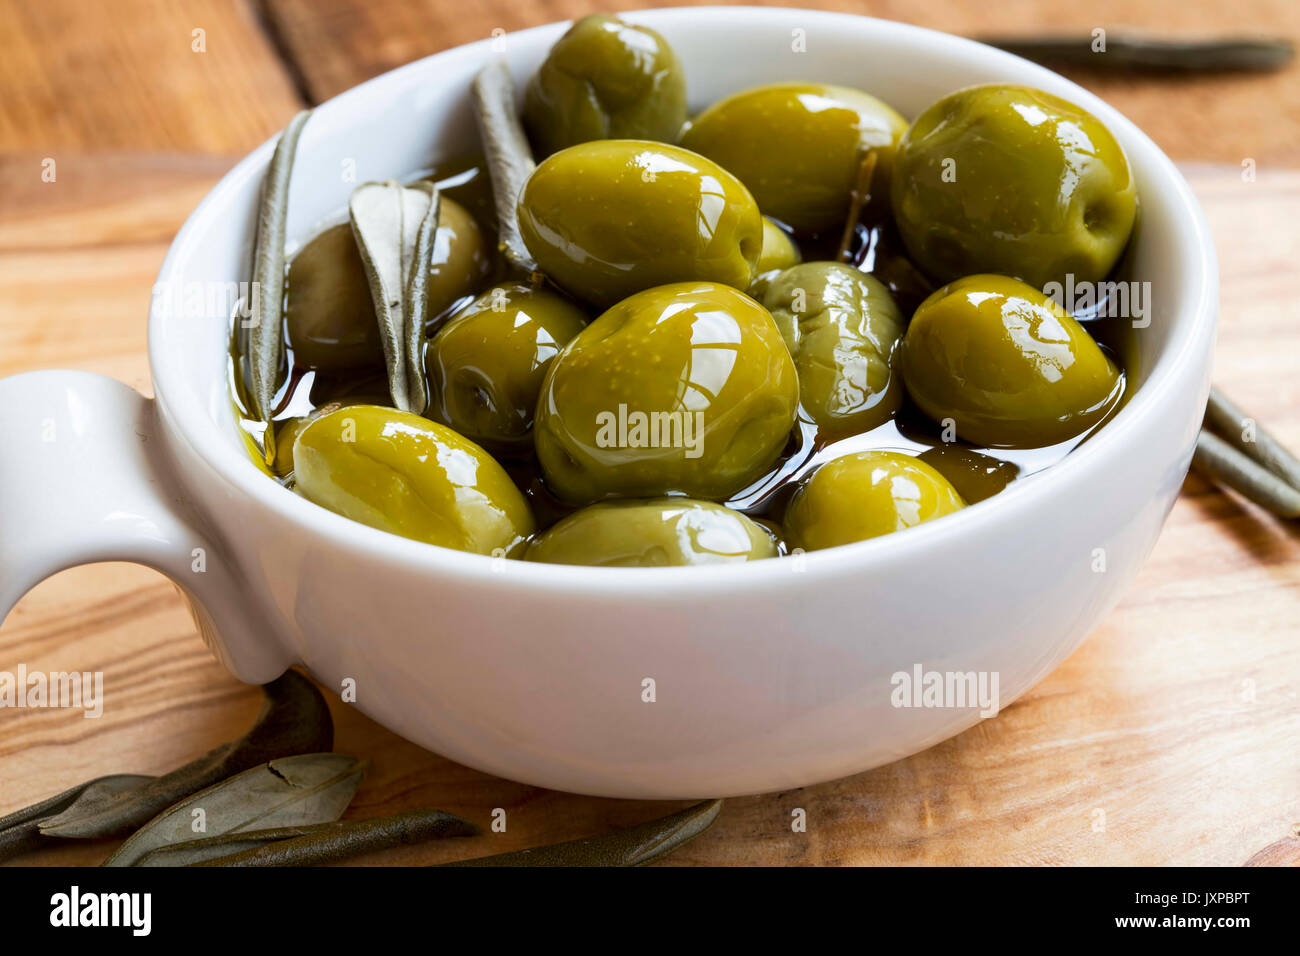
{"x": 84, "y": 477}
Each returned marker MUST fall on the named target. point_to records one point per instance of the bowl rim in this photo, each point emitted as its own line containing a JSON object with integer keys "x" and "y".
{"x": 206, "y": 437}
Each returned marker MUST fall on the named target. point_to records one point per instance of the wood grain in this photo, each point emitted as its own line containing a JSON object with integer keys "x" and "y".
{"x": 126, "y": 76}
{"x": 338, "y": 43}
{"x": 101, "y": 198}
{"x": 1169, "y": 737}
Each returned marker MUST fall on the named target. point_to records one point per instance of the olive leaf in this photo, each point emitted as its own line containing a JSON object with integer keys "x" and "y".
{"x": 632, "y": 846}
{"x": 294, "y": 719}
{"x": 314, "y": 843}
{"x": 194, "y": 852}
{"x": 338, "y": 841}
{"x": 21, "y": 831}
{"x": 509, "y": 159}
{"x": 309, "y": 788}
{"x": 266, "y": 330}
{"x": 395, "y": 226}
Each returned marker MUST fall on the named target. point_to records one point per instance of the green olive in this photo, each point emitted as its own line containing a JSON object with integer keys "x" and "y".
{"x": 653, "y": 533}
{"x": 1012, "y": 180}
{"x": 607, "y": 219}
{"x": 975, "y": 476}
{"x": 1006, "y": 364}
{"x": 842, "y": 327}
{"x": 798, "y": 147}
{"x": 286, "y": 433}
{"x": 486, "y": 364}
{"x": 329, "y": 312}
{"x": 865, "y": 495}
{"x": 779, "y": 250}
{"x": 407, "y": 475}
{"x": 605, "y": 79}
{"x": 462, "y": 259}
{"x": 684, "y": 388}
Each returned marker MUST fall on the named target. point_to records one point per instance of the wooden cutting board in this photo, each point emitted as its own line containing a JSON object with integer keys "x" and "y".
{"x": 1169, "y": 737}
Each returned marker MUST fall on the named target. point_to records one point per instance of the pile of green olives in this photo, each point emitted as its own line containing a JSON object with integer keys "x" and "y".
{"x": 790, "y": 321}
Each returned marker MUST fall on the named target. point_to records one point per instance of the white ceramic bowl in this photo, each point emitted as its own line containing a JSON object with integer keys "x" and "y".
{"x": 767, "y": 676}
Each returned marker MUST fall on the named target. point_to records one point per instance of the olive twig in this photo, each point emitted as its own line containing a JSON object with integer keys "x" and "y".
{"x": 1219, "y": 460}
{"x": 1146, "y": 54}
{"x": 1234, "y": 450}
{"x": 1229, "y": 421}
{"x": 858, "y": 199}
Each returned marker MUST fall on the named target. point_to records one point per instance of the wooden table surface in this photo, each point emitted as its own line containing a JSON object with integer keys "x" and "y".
{"x": 1169, "y": 737}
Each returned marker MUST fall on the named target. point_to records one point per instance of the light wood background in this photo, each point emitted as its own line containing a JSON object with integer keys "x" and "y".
{"x": 1170, "y": 737}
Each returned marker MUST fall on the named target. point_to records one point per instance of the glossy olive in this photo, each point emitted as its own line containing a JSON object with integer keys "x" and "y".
{"x": 683, "y": 388}
{"x": 1006, "y": 364}
{"x": 798, "y": 147}
{"x": 605, "y": 79}
{"x": 865, "y": 495}
{"x": 286, "y": 433}
{"x": 842, "y": 327}
{"x": 486, "y": 365}
{"x": 329, "y": 312}
{"x": 1012, "y": 180}
{"x": 779, "y": 250}
{"x": 607, "y": 219}
{"x": 653, "y": 533}
{"x": 407, "y": 475}
{"x": 975, "y": 476}
{"x": 463, "y": 257}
